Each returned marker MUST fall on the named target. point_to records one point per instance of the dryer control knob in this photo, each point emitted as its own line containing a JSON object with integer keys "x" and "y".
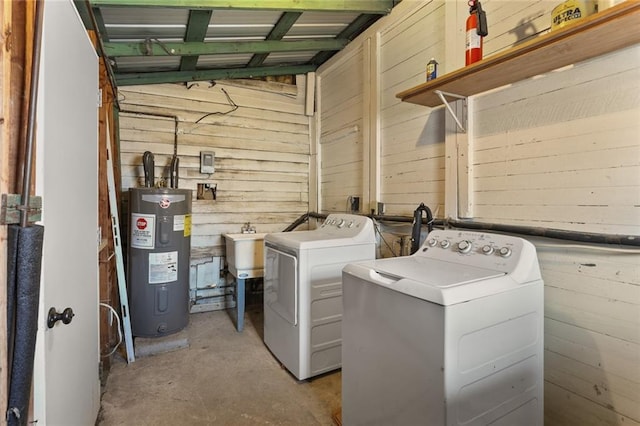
{"x": 487, "y": 250}
{"x": 341, "y": 223}
{"x": 464, "y": 246}
{"x": 445, "y": 244}
{"x": 505, "y": 252}
{"x": 432, "y": 242}
{"x": 350, "y": 224}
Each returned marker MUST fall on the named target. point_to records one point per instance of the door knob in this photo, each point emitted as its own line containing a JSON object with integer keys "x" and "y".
{"x": 65, "y": 316}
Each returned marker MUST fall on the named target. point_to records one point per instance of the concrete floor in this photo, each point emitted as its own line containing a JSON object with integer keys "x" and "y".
{"x": 222, "y": 378}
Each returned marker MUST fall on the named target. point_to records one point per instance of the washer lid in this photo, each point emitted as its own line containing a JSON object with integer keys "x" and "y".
{"x": 433, "y": 272}
{"x": 433, "y": 280}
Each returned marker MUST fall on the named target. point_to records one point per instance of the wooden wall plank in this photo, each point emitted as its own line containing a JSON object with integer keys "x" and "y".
{"x": 412, "y": 149}
{"x": 595, "y": 349}
{"x": 592, "y": 383}
{"x": 211, "y": 98}
{"x": 341, "y": 148}
{"x": 262, "y": 153}
{"x": 532, "y": 18}
{"x": 12, "y": 61}
{"x": 561, "y": 150}
{"x": 565, "y": 407}
{"x": 592, "y": 333}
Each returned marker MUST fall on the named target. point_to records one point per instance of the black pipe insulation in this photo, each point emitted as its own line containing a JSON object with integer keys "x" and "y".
{"x": 24, "y": 261}
{"x": 148, "y": 165}
{"x": 175, "y": 164}
{"x": 299, "y": 221}
{"x": 12, "y": 259}
{"x": 317, "y": 215}
{"x": 403, "y": 219}
{"x": 559, "y": 234}
{"x": 28, "y": 262}
{"x": 383, "y": 218}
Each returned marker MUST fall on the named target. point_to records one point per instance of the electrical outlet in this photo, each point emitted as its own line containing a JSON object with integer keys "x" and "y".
{"x": 207, "y": 191}
{"x": 355, "y": 204}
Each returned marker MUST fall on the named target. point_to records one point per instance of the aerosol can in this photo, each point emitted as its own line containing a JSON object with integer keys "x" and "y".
{"x": 476, "y": 30}
{"x": 432, "y": 69}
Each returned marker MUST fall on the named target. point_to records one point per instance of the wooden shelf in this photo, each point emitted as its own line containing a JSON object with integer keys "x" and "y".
{"x": 607, "y": 31}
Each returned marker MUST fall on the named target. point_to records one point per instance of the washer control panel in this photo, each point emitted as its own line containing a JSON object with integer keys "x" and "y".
{"x": 466, "y": 246}
{"x": 474, "y": 248}
{"x": 347, "y": 224}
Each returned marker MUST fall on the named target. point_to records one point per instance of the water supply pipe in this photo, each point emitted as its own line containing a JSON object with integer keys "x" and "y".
{"x": 174, "y": 172}
{"x": 148, "y": 165}
{"x": 24, "y": 252}
{"x": 31, "y": 120}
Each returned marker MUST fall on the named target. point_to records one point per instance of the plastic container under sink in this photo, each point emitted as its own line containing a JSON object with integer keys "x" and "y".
{"x": 245, "y": 254}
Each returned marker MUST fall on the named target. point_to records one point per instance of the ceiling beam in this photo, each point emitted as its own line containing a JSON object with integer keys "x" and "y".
{"x": 381, "y": 7}
{"x": 196, "y": 31}
{"x": 349, "y": 33}
{"x": 279, "y": 30}
{"x": 102, "y": 29}
{"x": 154, "y": 48}
{"x": 85, "y": 15}
{"x": 206, "y": 75}
{"x": 81, "y": 7}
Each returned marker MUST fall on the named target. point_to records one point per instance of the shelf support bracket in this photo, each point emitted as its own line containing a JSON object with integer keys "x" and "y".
{"x": 442, "y": 95}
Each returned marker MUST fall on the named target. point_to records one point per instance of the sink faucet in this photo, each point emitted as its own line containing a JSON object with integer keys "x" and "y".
{"x": 248, "y": 229}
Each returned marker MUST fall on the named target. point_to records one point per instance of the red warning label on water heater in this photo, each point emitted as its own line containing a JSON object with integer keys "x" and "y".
{"x": 143, "y": 230}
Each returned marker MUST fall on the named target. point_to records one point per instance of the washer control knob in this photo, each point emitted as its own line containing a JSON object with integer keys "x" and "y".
{"x": 445, "y": 244}
{"x": 341, "y": 223}
{"x": 432, "y": 242}
{"x": 464, "y": 246}
{"x": 350, "y": 224}
{"x": 487, "y": 250}
{"x": 505, "y": 252}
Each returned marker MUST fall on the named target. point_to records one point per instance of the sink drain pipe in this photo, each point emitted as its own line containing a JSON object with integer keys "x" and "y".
{"x": 24, "y": 266}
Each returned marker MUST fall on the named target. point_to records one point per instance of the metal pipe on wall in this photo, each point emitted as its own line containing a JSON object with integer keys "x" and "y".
{"x": 558, "y": 234}
{"x": 24, "y": 261}
{"x": 31, "y": 123}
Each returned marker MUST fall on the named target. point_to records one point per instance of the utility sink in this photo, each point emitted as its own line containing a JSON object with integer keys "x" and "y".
{"x": 245, "y": 254}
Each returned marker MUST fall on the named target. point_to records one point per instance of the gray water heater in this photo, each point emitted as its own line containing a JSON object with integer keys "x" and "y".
{"x": 159, "y": 250}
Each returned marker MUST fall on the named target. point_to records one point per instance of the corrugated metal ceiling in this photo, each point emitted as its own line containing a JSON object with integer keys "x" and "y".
{"x": 155, "y": 41}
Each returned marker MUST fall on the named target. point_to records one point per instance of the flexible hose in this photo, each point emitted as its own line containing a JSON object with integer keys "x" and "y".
{"x": 148, "y": 164}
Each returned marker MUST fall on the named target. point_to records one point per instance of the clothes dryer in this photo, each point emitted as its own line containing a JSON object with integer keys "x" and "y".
{"x": 303, "y": 291}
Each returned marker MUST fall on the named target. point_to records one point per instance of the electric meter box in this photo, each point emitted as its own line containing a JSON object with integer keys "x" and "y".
{"x": 159, "y": 252}
{"x": 207, "y": 159}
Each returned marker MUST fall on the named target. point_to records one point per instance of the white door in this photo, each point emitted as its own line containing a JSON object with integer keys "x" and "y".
{"x": 66, "y": 381}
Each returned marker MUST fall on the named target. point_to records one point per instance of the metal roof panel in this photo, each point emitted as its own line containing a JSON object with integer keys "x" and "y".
{"x": 151, "y": 23}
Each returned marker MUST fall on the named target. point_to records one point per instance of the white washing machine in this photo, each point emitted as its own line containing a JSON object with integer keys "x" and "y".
{"x": 451, "y": 335}
{"x": 303, "y": 291}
